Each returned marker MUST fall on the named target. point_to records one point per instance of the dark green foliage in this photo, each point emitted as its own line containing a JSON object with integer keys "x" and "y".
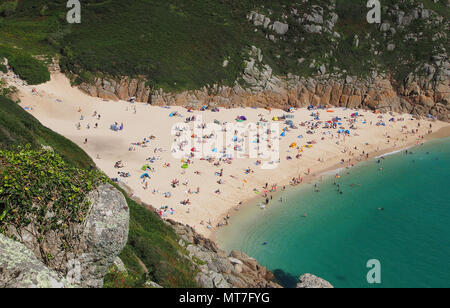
{"x": 36, "y": 183}
{"x": 8, "y": 7}
{"x": 176, "y": 44}
{"x": 3, "y": 68}
{"x": 115, "y": 279}
{"x": 181, "y": 44}
{"x": 28, "y": 68}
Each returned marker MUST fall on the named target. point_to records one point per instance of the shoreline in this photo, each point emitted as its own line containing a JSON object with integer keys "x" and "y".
{"x": 58, "y": 106}
{"x": 442, "y": 133}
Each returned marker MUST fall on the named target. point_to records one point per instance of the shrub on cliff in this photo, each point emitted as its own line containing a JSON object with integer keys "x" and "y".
{"x": 8, "y": 7}
{"x": 28, "y": 68}
{"x": 37, "y": 188}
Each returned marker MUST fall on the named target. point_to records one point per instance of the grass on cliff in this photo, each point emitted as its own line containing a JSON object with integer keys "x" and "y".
{"x": 38, "y": 188}
{"x": 152, "y": 251}
{"x": 152, "y": 246}
{"x": 28, "y": 68}
{"x": 182, "y": 44}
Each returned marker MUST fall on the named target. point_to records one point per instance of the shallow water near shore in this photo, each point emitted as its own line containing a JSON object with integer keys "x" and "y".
{"x": 410, "y": 237}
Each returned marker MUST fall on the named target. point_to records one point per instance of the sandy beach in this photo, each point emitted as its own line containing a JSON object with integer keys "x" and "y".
{"x": 211, "y": 189}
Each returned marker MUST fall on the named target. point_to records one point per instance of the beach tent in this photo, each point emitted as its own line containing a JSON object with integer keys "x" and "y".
{"x": 275, "y": 119}
{"x": 185, "y": 166}
{"x": 145, "y": 167}
{"x": 243, "y": 118}
{"x": 293, "y": 145}
{"x": 145, "y": 175}
{"x": 283, "y": 134}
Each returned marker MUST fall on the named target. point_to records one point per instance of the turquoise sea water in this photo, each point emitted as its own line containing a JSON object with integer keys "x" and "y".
{"x": 410, "y": 237}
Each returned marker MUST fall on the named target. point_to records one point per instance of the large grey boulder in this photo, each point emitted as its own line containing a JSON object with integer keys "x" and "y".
{"x": 280, "y": 28}
{"x": 104, "y": 237}
{"x": 19, "y": 268}
{"x": 83, "y": 252}
{"x": 309, "y": 281}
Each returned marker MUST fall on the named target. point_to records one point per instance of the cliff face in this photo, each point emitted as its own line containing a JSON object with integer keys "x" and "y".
{"x": 123, "y": 89}
{"x": 93, "y": 247}
{"x": 19, "y": 268}
{"x": 236, "y": 270}
{"x": 216, "y": 269}
{"x": 418, "y": 97}
{"x": 399, "y": 64}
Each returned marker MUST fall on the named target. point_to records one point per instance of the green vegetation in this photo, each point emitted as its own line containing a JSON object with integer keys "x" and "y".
{"x": 61, "y": 178}
{"x": 8, "y": 7}
{"x": 36, "y": 182}
{"x": 155, "y": 245}
{"x": 3, "y": 68}
{"x": 115, "y": 279}
{"x": 28, "y": 68}
{"x": 179, "y": 44}
{"x": 176, "y": 44}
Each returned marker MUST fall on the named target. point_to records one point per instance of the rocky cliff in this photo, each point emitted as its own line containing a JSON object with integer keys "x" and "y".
{"x": 326, "y": 53}
{"x": 414, "y": 96}
{"x": 236, "y": 270}
{"x": 81, "y": 260}
{"x": 218, "y": 270}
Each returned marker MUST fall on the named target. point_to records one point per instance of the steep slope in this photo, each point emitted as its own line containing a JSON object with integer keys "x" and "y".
{"x": 51, "y": 200}
{"x": 149, "y": 238}
{"x": 180, "y": 45}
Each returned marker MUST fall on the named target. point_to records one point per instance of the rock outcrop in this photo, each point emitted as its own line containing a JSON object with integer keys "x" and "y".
{"x": 124, "y": 89}
{"x": 424, "y": 91}
{"x": 19, "y": 268}
{"x": 236, "y": 270}
{"x": 308, "y": 281}
{"x": 218, "y": 270}
{"x": 415, "y": 95}
{"x": 82, "y": 255}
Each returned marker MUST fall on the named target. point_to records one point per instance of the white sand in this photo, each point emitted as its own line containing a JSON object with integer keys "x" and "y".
{"x": 111, "y": 146}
